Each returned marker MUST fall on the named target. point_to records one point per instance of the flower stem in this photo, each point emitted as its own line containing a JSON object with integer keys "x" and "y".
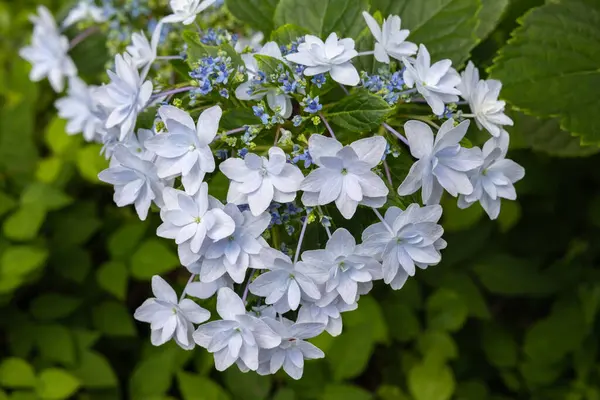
{"x": 236, "y": 130}
{"x": 185, "y": 288}
{"x": 247, "y": 286}
{"x": 345, "y": 90}
{"x": 327, "y": 125}
{"x": 168, "y": 58}
{"x": 83, "y": 35}
{"x": 388, "y": 174}
{"x": 395, "y": 133}
{"x": 468, "y": 115}
{"x": 301, "y": 239}
{"x": 387, "y": 226}
{"x": 366, "y": 53}
{"x": 172, "y": 91}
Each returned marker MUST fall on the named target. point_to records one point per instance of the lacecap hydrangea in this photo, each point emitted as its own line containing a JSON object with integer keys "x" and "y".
{"x": 280, "y": 126}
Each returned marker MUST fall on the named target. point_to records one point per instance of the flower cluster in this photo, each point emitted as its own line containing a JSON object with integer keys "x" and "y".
{"x": 283, "y": 168}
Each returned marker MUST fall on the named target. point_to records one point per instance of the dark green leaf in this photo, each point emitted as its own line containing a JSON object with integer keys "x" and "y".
{"x": 153, "y": 257}
{"x": 24, "y": 223}
{"x": 21, "y": 260}
{"x": 112, "y": 277}
{"x": 256, "y": 13}
{"x": 346, "y": 392}
{"x": 490, "y": 15}
{"x": 550, "y": 66}
{"x": 287, "y": 34}
{"x": 195, "y": 387}
{"x": 52, "y": 306}
{"x": 56, "y": 384}
{"x": 113, "y": 319}
{"x": 431, "y": 381}
{"x": 94, "y": 371}
{"x": 16, "y": 373}
{"x": 322, "y": 17}
{"x": 359, "y": 112}
{"x": 56, "y": 344}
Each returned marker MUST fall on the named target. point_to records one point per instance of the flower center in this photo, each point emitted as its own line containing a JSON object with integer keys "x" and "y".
{"x": 192, "y": 147}
{"x": 197, "y": 220}
{"x": 174, "y": 310}
{"x": 344, "y": 171}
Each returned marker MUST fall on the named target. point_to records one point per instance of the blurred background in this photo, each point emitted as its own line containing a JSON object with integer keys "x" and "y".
{"x": 510, "y": 313}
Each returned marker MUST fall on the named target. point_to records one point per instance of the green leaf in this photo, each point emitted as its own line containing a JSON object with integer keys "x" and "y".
{"x": 287, "y": 34}
{"x": 237, "y": 118}
{"x": 112, "y": 277}
{"x": 56, "y": 384}
{"x": 7, "y": 203}
{"x": 153, "y": 257}
{"x": 77, "y": 224}
{"x": 545, "y": 135}
{"x": 490, "y": 15}
{"x": 16, "y": 373}
{"x": 464, "y": 286}
{"x": 21, "y": 260}
{"x": 510, "y": 214}
{"x": 510, "y": 276}
{"x": 195, "y": 387}
{"x": 90, "y": 163}
{"x": 285, "y": 394}
{"x": 350, "y": 352}
{"x": 346, "y": 392}
{"x": 437, "y": 345}
{"x": 51, "y": 306}
{"x": 553, "y": 337}
{"x": 59, "y": 141}
{"x": 431, "y": 381}
{"x": 113, "y": 319}
{"x": 446, "y": 310}
{"x": 56, "y": 344}
{"x": 499, "y": 345}
{"x": 360, "y": 112}
{"x": 152, "y": 377}
{"x": 322, "y": 17}
{"x": 270, "y": 65}
{"x": 455, "y": 219}
{"x": 550, "y": 66}
{"x": 123, "y": 242}
{"x": 402, "y": 321}
{"x": 48, "y": 196}
{"x": 25, "y": 223}
{"x": 446, "y": 27}
{"x": 49, "y": 169}
{"x": 197, "y": 50}
{"x": 72, "y": 262}
{"x": 247, "y": 386}
{"x": 369, "y": 314}
{"x": 94, "y": 371}
{"x": 256, "y": 13}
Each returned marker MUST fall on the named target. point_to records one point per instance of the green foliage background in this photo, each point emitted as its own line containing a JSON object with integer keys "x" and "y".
{"x": 511, "y": 313}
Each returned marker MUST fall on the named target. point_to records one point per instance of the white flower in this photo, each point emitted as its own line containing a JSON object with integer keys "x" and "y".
{"x": 170, "y": 318}
{"x": 436, "y": 83}
{"x": 125, "y": 96}
{"x": 407, "y": 238}
{"x": 333, "y": 56}
{"x": 293, "y": 350}
{"x": 328, "y": 315}
{"x": 483, "y": 101}
{"x": 206, "y": 290}
{"x": 275, "y": 98}
{"x": 192, "y": 221}
{"x": 137, "y": 144}
{"x": 135, "y": 181}
{"x": 236, "y": 338}
{"x": 253, "y": 42}
{"x": 48, "y": 52}
{"x": 493, "y": 180}
{"x": 185, "y": 149}
{"x": 239, "y": 251}
{"x": 257, "y": 181}
{"x": 140, "y": 50}
{"x": 185, "y": 11}
{"x": 84, "y": 11}
{"x": 443, "y": 163}
{"x": 283, "y": 285}
{"x": 80, "y": 109}
{"x": 338, "y": 266}
{"x": 344, "y": 174}
{"x": 391, "y": 41}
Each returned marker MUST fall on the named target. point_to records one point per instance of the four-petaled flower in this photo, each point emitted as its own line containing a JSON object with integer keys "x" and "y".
{"x": 237, "y": 337}
{"x": 257, "y": 181}
{"x": 185, "y": 149}
{"x": 436, "y": 83}
{"x": 391, "y": 40}
{"x": 494, "y": 180}
{"x": 170, "y": 318}
{"x": 331, "y": 56}
{"x": 125, "y": 96}
{"x": 80, "y": 109}
{"x": 442, "y": 163}
{"x": 405, "y": 239}
{"x": 185, "y": 11}
{"x": 344, "y": 174}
